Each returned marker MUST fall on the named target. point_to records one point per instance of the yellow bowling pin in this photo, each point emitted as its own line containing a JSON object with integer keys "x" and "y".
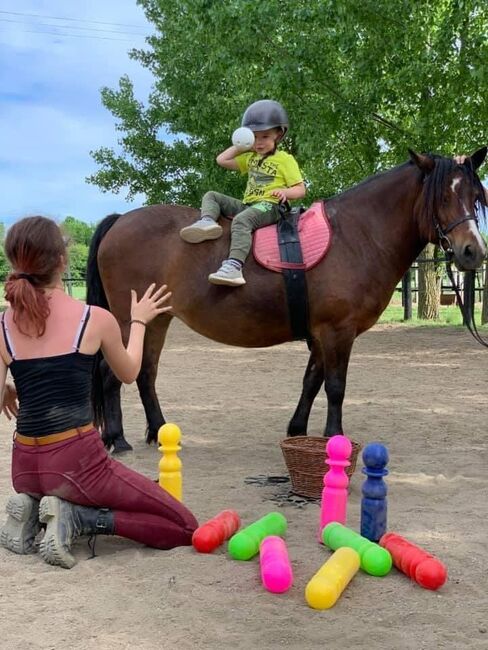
{"x": 332, "y": 578}
{"x": 169, "y": 436}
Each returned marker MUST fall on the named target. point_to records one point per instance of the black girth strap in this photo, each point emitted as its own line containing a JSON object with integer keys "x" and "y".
{"x": 295, "y": 280}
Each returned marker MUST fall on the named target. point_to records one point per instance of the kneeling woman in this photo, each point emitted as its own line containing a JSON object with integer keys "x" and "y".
{"x": 61, "y": 471}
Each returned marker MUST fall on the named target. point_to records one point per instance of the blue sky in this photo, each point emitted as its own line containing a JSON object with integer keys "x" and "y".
{"x": 51, "y": 116}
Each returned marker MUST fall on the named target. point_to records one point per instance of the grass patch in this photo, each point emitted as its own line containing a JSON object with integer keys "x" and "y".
{"x": 449, "y": 316}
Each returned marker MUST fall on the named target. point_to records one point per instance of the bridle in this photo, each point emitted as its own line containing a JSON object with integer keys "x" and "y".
{"x": 444, "y": 241}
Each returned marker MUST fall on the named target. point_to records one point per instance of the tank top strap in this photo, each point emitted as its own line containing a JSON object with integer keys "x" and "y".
{"x": 6, "y": 335}
{"x": 85, "y": 317}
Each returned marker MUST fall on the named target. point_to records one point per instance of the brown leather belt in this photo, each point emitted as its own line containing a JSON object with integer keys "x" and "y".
{"x": 53, "y": 437}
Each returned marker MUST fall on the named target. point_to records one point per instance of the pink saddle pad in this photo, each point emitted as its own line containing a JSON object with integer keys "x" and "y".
{"x": 315, "y": 236}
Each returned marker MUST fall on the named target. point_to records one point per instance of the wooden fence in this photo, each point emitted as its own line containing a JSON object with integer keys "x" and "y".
{"x": 469, "y": 284}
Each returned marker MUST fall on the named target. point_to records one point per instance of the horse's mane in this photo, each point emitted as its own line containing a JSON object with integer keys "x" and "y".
{"x": 378, "y": 176}
{"x": 434, "y": 184}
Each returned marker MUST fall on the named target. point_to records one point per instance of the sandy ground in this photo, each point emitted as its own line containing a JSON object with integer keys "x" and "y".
{"x": 420, "y": 391}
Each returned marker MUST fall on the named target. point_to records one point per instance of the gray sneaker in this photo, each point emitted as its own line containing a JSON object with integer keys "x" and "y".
{"x": 228, "y": 275}
{"x": 201, "y": 230}
{"x": 22, "y": 526}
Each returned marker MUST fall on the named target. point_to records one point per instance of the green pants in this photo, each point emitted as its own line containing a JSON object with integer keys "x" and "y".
{"x": 247, "y": 218}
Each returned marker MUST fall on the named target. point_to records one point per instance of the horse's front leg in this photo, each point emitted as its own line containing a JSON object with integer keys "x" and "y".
{"x": 146, "y": 381}
{"x": 112, "y": 431}
{"x": 312, "y": 381}
{"x": 336, "y": 350}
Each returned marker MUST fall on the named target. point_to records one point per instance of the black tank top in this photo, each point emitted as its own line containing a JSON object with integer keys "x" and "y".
{"x": 54, "y": 392}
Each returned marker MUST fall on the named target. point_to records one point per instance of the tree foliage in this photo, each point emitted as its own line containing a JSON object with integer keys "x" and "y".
{"x": 362, "y": 82}
{"x": 79, "y": 232}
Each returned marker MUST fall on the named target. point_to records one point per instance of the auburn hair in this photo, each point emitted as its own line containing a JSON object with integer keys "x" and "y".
{"x": 34, "y": 247}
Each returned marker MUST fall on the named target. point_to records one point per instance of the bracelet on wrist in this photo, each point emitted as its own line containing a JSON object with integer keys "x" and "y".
{"x": 136, "y": 320}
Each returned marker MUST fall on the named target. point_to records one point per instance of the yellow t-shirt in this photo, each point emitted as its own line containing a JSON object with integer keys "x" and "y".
{"x": 275, "y": 172}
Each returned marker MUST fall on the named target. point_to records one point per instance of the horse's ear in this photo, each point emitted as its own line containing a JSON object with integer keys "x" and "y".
{"x": 478, "y": 157}
{"x": 424, "y": 163}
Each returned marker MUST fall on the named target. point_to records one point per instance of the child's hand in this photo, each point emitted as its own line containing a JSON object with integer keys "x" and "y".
{"x": 281, "y": 194}
{"x": 150, "y": 305}
{"x": 460, "y": 159}
{"x": 10, "y": 407}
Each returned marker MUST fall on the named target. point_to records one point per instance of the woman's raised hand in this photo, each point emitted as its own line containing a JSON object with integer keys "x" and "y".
{"x": 151, "y": 304}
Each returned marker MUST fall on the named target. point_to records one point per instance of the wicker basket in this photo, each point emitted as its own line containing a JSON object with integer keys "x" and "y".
{"x": 305, "y": 460}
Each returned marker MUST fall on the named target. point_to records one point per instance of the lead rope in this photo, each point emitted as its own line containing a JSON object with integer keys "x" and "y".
{"x": 468, "y": 318}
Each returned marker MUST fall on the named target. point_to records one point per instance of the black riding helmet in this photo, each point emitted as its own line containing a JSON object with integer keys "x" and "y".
{"x": 265, "y": 114}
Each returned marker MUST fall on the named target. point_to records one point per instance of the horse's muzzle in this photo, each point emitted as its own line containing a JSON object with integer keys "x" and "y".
{"x": 470, "y": 256}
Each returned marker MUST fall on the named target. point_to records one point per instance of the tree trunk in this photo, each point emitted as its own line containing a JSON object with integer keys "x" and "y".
{"x": 484, "y": 308}
{"x": 429, "y": 295}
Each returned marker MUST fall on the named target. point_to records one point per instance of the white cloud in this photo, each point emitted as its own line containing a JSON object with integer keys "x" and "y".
{"x": 50, "y": 110}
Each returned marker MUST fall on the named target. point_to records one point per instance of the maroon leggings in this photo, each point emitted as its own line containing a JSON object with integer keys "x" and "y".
{"x": 80, "y": 470}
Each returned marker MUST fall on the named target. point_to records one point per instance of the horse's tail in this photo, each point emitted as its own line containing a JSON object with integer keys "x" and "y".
{"x": 95, "y": 295}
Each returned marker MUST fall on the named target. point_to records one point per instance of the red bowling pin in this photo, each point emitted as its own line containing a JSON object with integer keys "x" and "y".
{"x": 420, "y": 566}
{"x": 214, "y": 532}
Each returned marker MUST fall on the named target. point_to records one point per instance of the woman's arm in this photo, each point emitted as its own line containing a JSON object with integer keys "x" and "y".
{"x": 10, "y": 406}
{"x": 126, "y": 362}
{"x": 3, "y": 379}
{"x": 8, "y": 394}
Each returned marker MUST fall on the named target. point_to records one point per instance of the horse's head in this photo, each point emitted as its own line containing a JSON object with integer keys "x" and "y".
{"x": 450, "y": 204}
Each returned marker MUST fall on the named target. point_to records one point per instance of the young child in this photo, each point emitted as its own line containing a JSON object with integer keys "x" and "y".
{"x": 273, "y": 177}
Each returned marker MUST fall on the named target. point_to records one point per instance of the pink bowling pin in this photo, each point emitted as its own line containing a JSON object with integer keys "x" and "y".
{"x": 336, "y": 481}
{"x": 276, "y": 571}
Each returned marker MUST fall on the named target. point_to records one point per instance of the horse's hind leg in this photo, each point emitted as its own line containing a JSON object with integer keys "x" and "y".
{"x": 146, "y": 381}
{"x": 312, "y": 381}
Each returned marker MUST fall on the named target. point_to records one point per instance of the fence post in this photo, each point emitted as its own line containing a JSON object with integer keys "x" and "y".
{"x": 69, "y": 279}
{"x": 468, "y": 295}
{"x": 407, "y": 295}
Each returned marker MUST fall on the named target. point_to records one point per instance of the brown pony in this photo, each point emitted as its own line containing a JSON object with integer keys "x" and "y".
{"x": 379, "y": 228}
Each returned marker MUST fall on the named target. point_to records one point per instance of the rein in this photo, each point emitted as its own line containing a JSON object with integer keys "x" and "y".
{"x": 467, "y": 317}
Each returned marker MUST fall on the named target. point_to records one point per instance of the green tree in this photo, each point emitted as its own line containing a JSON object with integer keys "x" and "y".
{"x": 4, "y": 263}
{"x": 78, "y": 231}
{"x": 361, "y": 81}
{"x": 78, "y": 255}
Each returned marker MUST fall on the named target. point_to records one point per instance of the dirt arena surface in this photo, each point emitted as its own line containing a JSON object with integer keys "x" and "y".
{"x": 422, "y": 392}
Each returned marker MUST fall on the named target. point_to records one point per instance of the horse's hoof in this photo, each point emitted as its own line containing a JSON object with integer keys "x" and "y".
{"x": 120, "y": 445}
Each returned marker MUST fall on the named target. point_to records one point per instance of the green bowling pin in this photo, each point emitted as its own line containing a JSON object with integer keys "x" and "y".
{"x": 374, "y": 560}
{"x": 245, "y": 544}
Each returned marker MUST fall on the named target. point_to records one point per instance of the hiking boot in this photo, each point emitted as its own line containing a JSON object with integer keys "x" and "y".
{"x": 201, "y": 230}
{"x": 22, "y": 526}
{"x": 228, "y": 274}
{"x": 65, "y": 522}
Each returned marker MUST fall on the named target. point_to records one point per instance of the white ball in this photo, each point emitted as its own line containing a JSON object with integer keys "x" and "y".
{"x": 243, "y": 138}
